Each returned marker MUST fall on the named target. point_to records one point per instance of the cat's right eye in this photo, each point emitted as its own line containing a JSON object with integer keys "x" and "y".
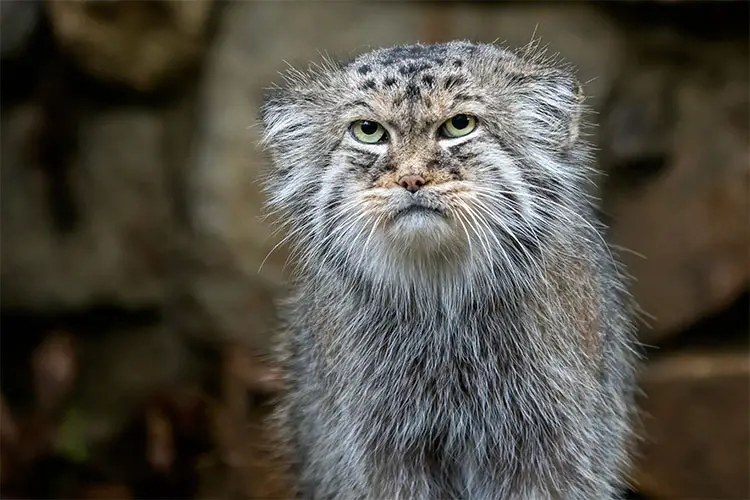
{"x": 368, "y": 131}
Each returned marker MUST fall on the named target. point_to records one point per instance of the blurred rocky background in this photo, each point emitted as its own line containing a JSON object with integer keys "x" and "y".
{"x": 135, "y": 320}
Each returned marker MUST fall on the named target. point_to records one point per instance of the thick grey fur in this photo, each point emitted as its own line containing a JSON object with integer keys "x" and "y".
{"x": 483, "y": 351}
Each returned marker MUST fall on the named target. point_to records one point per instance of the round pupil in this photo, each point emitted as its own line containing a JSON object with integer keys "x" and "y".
{"x": 460, "y": 121}
{"x": 368, "y": 128}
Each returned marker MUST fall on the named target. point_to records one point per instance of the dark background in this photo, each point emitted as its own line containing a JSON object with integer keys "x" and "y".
{"x": 134, "y": 318}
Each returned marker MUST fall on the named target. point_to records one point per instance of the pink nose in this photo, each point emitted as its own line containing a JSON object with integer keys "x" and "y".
{"x": 412, "y": 183}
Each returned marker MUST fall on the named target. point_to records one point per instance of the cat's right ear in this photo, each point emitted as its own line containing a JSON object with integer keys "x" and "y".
{"x": 278, "y": 114}
{"x": 272, "y": 102}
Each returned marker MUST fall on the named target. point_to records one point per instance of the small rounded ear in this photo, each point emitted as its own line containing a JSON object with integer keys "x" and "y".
{"x": 551, "y": 107}
{"x": 275, "y": 104}
{"x": 563, "y": 105}
{"x": 287, "y": 118}
{"x": 271, "y": 99}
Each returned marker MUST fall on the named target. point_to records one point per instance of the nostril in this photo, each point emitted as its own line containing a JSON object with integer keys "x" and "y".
{"x": 411, "y": 183}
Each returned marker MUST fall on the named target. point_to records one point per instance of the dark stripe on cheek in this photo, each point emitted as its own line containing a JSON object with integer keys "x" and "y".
{"x": 303, "y": 202}
{"x": 460, "y": 151}
{"x": 333, "y": 202}
{"x": 544, "y": 193}
{"x": 363, "y": 160}
{"x": 546, "y": 187}
{"x": 464, "y": 157}
{"x": 379, "y": 170}
{"x": 330, "y": 208}
{"x": 506, "y": 190}
{"x": 361, "y": 164}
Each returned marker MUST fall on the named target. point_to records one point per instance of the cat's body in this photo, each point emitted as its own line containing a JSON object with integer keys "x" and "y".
{"x": 459, "y": 328}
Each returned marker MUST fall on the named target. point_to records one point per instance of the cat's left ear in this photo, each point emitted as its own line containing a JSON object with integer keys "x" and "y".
{"x": 563, "y": 106}
{"x": 551, "y": 108}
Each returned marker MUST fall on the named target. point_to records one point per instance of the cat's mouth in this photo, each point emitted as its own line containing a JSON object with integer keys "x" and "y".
{"x": 421, "y": 226}
{"x": 417, "y": 210}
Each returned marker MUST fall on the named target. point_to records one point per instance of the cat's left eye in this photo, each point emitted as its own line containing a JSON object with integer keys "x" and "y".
{"x": 458, "y": 126}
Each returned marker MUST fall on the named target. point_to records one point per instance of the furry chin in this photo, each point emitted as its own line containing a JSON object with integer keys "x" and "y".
{"x": 422, "y": 231}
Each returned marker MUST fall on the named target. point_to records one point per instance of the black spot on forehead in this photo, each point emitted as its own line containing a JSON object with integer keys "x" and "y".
{"x": 428, "y": 80}
{"x": 389, "y": 81}
{"x": 410, "y": 94}
{"x": 410, "y": 58}
{"x": 412, "y": 68}
{"x": 414, "y": 55}
{"x": 453, "y": 80}
{"x": 368, "y": 85}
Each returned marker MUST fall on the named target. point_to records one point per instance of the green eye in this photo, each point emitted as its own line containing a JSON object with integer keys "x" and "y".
{"x": 368, "y": 132}
{"x": 458, "y": 126}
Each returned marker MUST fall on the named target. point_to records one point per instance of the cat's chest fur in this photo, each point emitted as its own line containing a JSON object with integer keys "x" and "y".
{"x": 460, "y": 397}
{"x": 412, "y": 377}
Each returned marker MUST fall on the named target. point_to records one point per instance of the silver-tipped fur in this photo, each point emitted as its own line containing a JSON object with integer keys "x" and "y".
{"x": 470, "y": 337}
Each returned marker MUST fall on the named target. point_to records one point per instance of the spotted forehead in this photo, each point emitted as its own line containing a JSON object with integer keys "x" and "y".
{"x": 415, "y": 56}
{"x": 413, "y": 74}
{"x": 405, "y": 64}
